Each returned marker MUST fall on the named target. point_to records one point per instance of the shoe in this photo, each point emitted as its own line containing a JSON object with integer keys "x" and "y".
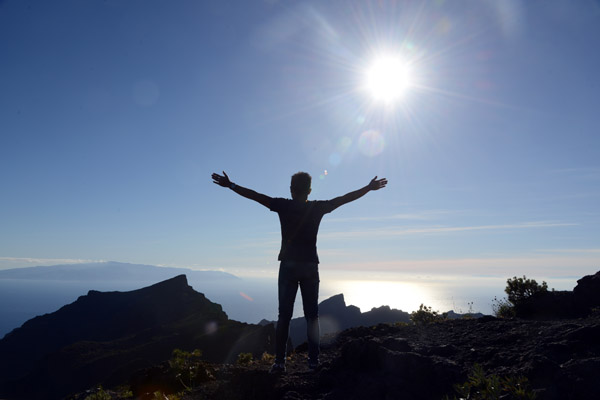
{"x": 277, "y": 368}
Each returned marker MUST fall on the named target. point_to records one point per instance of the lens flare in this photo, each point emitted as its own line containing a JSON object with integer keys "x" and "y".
{"x": 244, "y": 295}
{"x": 344, "y": 144}
{"x": 371, "y": 143}
{"x": 211, "y": 327}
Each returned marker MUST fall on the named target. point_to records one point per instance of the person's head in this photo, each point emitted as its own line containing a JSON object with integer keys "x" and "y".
{"x": 300, "y": 186}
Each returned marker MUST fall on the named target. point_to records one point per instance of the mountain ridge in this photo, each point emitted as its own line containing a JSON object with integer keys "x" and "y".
{"x": 103, "y": 337}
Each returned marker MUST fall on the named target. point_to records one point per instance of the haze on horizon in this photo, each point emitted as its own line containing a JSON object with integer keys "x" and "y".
{"x": 113, "y": 115}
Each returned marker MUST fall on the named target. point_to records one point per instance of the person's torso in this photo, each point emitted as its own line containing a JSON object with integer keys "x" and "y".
{"x": 299, "y": 228}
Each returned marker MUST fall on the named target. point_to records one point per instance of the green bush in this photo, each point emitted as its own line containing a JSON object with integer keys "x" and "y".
{"x": 425, "y": 315}
{"x": 518, "y": 290}
{"x": 99, "y": 395}
{"x": 189, "y": 368}
{"x": 244, "y": 358}
{"x": 267, "y": 358}
{"x": 480, "y": 386}
{"x": 161, "y": 396}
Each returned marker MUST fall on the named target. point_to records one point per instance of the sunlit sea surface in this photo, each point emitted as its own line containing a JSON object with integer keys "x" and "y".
{"x": 252, "y": 299}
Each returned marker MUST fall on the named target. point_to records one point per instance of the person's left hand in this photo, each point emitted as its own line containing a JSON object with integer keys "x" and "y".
{"x": 377, "y": 184}
{"x": 221, "y": 180}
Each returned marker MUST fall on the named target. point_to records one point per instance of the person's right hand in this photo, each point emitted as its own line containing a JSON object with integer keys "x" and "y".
{"x": 221, "y": 180}
{"x": 377, "y": 184}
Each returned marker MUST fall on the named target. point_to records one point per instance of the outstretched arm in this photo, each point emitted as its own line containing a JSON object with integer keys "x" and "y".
{"x": 375, "y": 184}
{"x": 223, "y": 180}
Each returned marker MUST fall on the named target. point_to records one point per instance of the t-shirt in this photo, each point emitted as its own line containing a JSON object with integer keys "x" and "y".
{"x": 299, "y": 227}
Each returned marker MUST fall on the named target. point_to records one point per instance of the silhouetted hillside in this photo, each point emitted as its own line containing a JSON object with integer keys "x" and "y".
{"x": 29, "y": 292}
{"x": 105, "y": 336}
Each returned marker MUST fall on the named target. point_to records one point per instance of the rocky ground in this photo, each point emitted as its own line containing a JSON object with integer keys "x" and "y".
{"x": 559, "y": 358}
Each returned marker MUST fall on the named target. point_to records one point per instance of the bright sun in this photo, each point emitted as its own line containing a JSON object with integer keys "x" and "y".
{"x": 388, "y": 78}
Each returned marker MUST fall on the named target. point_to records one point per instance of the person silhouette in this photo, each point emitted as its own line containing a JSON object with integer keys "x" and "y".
{"x": 299, "y": 261}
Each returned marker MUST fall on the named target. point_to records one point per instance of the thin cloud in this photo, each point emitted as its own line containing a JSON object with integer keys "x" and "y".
{"x": 441, "y": 230}
{"x": 419, "y": 216}
{"x": 572, "y": 251}
{"x": 534, "y": 266}
{"x": 583, "y": 173}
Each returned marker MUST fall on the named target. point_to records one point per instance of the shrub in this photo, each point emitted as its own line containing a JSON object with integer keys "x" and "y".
{"x": 161, "y": 396}
{"x": 189, "y": 368}
{"x": 267, "y": 358}
{"x": 480, "y": 386}
{"x": 244, "y": 358}
{"x": 502, "y": 308}
{"x": 101, "y": 394}
{"x": 425, "y": 315}
{"x": 518, "y": 291}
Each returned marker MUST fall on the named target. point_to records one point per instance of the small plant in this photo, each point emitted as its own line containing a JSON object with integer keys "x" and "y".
{"x": 244, "y": 358}
{"x": 502, "y": 308}
{"x": 480, "y": 386}
{"x": 425, "y": 315}
{"x": 100, "y": 394}
{"x": 189, "y": 368}
{"x": 267, "y": 358}
{"x": 161, "y": 396}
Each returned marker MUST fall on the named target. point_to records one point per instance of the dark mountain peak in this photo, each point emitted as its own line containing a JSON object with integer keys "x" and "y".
{"x": 336, "y": 316}
{"x": 175, "y": 286}
{"x": 332, "y": 304}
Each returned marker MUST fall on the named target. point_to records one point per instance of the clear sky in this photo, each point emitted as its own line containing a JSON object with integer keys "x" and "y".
{"x": 113, "y": 115}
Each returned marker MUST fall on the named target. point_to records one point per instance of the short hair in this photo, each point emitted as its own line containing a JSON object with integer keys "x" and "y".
{"x": 300, "y": 183}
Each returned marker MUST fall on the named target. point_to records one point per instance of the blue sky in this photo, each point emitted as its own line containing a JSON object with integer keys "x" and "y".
{"x": 113, "y": 115}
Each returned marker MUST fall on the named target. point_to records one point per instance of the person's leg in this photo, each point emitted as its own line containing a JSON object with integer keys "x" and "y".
{"x": 309, "y": 286}
{"x": 287, "y": 288}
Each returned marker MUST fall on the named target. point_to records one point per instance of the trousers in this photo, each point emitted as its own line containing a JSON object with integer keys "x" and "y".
{"x": 291, "y": 276}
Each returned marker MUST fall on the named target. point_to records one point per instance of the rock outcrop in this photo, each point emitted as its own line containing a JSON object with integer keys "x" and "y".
{"x": 335, "y": 316}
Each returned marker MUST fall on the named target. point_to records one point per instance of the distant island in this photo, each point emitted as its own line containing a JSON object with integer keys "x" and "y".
{"x": 109, "y": 271}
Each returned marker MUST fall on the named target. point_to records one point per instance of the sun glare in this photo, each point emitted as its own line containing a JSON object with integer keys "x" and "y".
{"x": 388, "y": 78}
{"x": 368, "y": 294}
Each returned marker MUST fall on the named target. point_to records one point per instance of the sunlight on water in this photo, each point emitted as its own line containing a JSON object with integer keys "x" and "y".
{"x": 369, "y": 294}
{"x": 461, "y": 294}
